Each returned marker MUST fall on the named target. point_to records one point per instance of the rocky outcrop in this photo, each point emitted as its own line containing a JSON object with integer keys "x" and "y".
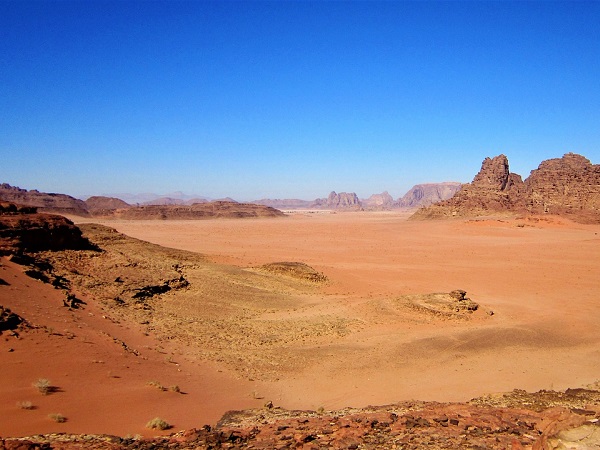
{"x": 199, "y": 211}
{"x": 343, "y": 200}
{"x": 9, "y": 320}
{"x": 568, "y": 186}
{"x": 427, "y": 194}
{"x": 565, "y": 186}
{"x": 44, "y": 202}
{"x": 23, "y": 229}
{"x": 379, "y": 201}
{"x": 541, "y": 421}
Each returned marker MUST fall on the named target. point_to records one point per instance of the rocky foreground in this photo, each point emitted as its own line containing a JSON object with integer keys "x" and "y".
{"x": 545, "y": 420}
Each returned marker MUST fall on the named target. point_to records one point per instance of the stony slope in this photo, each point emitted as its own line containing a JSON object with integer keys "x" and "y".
{"x": 551, "y": 420}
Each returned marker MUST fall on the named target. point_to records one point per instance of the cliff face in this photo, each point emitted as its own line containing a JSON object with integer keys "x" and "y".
{"x": 44, "y": 202}
{"x": 23, "y": 229}
{"x": 569, "y": 186}
{"x": 565, "y": 186}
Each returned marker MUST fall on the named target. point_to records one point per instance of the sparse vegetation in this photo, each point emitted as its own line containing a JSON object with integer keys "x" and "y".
{"x": 158, "y": 424}
{"x": 25, "y": 405}
{"x": 157, "y": 385}
{"x": 58, "y": 418}
{"x": 175, "y": 388}
{"x": 43, "y": 386}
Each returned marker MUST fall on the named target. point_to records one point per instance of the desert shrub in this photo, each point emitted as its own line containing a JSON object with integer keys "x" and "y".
{"x": 175, "y": 388}
{"x": 43, "y": 386}
{"x": 157, "y": 385}
{"x": 58, "y": 418}
{"x": 158, "y": 424}
{"x": 25, "y": 405}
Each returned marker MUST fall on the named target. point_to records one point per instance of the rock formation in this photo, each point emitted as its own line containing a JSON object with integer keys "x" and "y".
{"x": 379, "y": 201}
{"x": 44, "y": 202}
{"x": 337, "y": 201}
{"x": 429, "y": 193}
{"x": 23, "y": 229}
{"x": 567, "y": 186}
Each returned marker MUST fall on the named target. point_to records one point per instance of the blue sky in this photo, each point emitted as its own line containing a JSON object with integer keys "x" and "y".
{"x": 290, "y": 99}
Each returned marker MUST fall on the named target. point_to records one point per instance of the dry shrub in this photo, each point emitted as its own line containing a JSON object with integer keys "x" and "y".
{"x": 43, "y": 386}
{"x": 58, "y": 418}
{"x": 25, "y": 405}
{"x": 175, "y": 388}
{"x": 158, "y": 424}
{"x": 157, "y": 385}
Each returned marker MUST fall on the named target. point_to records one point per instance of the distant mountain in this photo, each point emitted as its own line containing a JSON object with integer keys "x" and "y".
{"x": 44, "y": 202}
{"x": 419, "y": 195}
{"x": 286, "y": 203}
{"x": 174, "y": 198}
{"x": 216, "y": 209}
{"x": 428, "y": 193}
{"x": 99, "y": 203}
{"x": 567, "y": 186}
{"x": 379, "y": 201}
{"x": 343, "y": 200}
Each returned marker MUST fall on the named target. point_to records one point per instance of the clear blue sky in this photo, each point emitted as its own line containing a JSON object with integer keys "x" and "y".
{"x": 290, "y": 99}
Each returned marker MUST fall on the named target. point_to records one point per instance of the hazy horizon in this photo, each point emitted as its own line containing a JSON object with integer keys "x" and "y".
{"x": 255, "y": 100}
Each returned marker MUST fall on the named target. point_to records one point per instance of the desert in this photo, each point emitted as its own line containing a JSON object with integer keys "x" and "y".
{"x": 188, "y": 319}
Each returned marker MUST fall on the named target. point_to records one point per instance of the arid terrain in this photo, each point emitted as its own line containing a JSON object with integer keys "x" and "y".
{"x": 368, "y": 319}
{"x": 280, "y": 329}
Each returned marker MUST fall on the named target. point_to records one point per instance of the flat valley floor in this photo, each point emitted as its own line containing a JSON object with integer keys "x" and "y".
{"x": 360, "y": 339}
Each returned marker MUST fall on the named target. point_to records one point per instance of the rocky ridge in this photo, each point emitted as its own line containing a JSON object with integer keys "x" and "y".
{"x": 44, "y": 202}
{"x": 567, "y": 186}
{"x": 545, "y": 420}
{"x": 419, "y": 195}
{"x": 216, "y": 209}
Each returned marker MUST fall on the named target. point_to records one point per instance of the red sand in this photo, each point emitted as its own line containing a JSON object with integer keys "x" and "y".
{"x": 539, "y": 278}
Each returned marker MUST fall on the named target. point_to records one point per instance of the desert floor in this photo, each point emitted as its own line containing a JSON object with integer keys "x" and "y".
{"x": 539, "y": 277}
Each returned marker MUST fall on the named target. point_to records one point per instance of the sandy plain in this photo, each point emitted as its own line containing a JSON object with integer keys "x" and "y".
{"x": 539, "y": 277}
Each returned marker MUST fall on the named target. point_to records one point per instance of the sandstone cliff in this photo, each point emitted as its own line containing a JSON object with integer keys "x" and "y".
{"x": 23, "y": 229}
{"x": 57, "y": 203}
{"x": 565, "y": 186}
